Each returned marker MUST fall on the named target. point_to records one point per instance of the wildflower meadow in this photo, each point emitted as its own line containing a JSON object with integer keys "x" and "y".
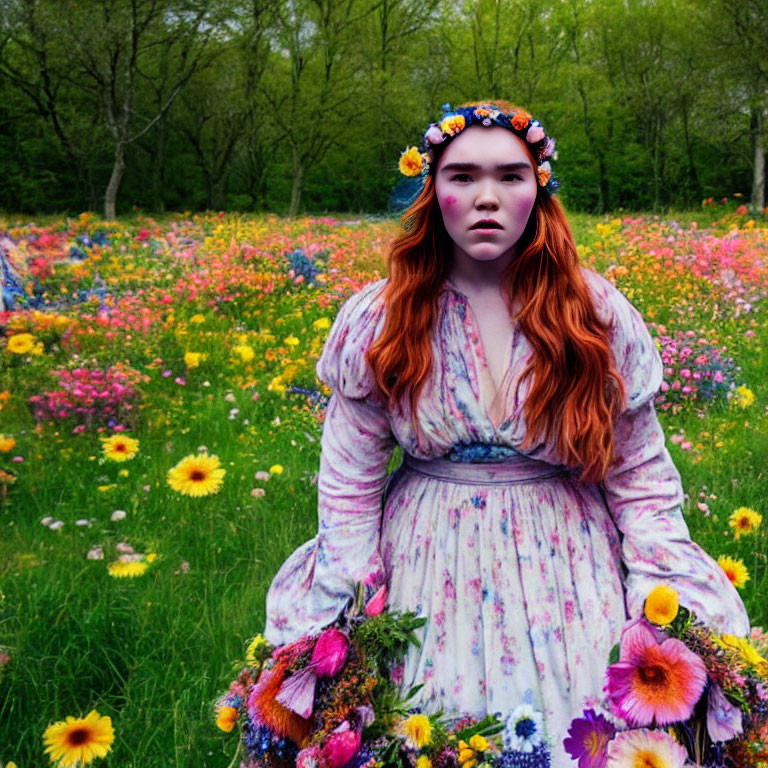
{"x": 159, "y": 445}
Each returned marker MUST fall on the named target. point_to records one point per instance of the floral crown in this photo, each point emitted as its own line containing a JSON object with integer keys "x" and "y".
{"x": 418, "y": 161}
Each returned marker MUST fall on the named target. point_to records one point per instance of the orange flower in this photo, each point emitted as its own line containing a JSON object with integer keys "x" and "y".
{"x": 543, "y": 175}
{"x": 276, "y": 717}
{"x": 453, "y": 124}
{"x": 521, "y": 120}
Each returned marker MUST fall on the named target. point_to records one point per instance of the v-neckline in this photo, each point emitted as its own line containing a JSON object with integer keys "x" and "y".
{"x": 484, "y": 367}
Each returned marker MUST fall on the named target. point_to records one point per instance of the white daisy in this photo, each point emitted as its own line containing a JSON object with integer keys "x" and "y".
{"x": 525, "y": 729}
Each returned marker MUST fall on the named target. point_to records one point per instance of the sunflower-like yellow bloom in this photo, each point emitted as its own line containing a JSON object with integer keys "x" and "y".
{"x": 77, "y": 741}
{"x": 735, "y": 570}
{"x": 6, "y": 443}
{"x": 21, "y": 343}
{"x": 411, "y": 162}
{"x": 226, "y": 718}
{"x": 453, "y": 124}
{"x": 120, "y": 447}
{"x": 662, "y": 605}
{"x": 423, "y": 762}
{"x": 418, "y": 730}
{"x": 199, "y": 475}
{"x": 127, "y": 569}
{"x": 744, "y": 521}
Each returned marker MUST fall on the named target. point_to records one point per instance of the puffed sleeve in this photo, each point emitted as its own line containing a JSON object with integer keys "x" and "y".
{"x": 317, "y": 581}
{"x": 643, "y": 489}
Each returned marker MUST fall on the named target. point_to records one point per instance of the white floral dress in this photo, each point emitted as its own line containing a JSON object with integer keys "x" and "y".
{"x": 525, "y": 574}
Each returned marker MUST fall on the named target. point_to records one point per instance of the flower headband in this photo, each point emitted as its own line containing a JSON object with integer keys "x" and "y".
{"x": 415, "y": 162}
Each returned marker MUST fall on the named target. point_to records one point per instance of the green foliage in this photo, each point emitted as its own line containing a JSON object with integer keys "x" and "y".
{"x": 654, "y": 105}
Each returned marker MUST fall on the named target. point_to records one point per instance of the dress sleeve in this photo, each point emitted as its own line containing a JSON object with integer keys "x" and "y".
{"x": 317, "y": 581}
{"x": 644, "y": 493}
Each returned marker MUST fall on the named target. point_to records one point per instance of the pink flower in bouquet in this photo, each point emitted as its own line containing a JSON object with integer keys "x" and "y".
{"x": 654, "y": 682}
{"x": 644, "y": 747}
{"x": 341, "y": 746}
{"x": 309, "y": 757}
{"x": 376, "y": 604}
{"x": 330, "y": 652}
{"x": 723, "y": 718}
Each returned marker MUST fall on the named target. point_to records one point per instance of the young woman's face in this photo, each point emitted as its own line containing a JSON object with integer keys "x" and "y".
{"x": 485, "y": 173}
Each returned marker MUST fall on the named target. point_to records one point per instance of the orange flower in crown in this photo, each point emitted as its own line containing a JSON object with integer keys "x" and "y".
{"x": 521, "y": 119}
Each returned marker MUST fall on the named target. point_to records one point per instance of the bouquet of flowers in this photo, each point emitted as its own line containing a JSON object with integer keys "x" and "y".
{"x": 329, "y": 701}
{"x": 678, "y": 694}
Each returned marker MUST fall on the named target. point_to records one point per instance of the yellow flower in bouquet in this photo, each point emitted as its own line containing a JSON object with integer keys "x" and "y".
{"x": 662, "y": 605}
{"x": 746, "y": 651}
{"x": 226, "y": 719}
{"x": 418, "y": 731}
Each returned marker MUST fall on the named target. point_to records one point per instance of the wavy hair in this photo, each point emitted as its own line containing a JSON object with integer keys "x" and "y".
{"x": 576, "y": 391}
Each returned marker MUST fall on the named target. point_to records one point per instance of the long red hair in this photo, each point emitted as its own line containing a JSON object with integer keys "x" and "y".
{"x": 576, "y": 391}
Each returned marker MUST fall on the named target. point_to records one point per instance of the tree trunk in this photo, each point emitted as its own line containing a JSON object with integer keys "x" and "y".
{"x": 298, "y": 184}
{"x": 118, "y": 169}
{"x": 758, "y": 175}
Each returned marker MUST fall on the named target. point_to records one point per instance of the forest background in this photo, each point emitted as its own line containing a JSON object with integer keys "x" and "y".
{"x": 305, "y": 105}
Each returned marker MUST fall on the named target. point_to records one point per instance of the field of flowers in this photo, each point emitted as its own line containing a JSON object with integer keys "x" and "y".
{"x": 159, "y": 443}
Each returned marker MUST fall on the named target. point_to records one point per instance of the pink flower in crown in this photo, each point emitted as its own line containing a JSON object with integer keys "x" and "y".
{"x": 434, "y": 135}
{"x": 535, "y": 133}
{"x": 549, "y": 148}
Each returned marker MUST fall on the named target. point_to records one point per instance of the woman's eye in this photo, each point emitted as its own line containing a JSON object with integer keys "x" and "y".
{"x": 515, "y": 176}
{"x": 458, "y": 175}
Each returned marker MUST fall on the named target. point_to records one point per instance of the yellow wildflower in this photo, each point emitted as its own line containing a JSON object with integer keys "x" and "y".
{"x": 291, "y": 341}
{"x": 193, "y": 359}
{"x": 21, "y": 343}
{"x": 127, "y": 569}
{"x": 418, "y": 731}
{"x": 276, "y": 469}
{"x": 6, "y": 443}
{"x": 120, "y": 447}
{"x": 735, "y": 570}
{"x": 245, "y": 352}
{"x": 746, "y": 650}
{"x": 744, "y": 397}
{"x": 78, "y": 741}
{"x": 197, "y": 475}
{"x": 744, "y": 521}
{"x": 423, "y": 762}
{"x": 197, "y": 319}
{"x": 322, "y": 323}
{"x": 661, "y": 605}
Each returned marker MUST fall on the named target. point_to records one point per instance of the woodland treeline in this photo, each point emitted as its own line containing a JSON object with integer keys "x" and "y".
{"x": 305, "y": 105}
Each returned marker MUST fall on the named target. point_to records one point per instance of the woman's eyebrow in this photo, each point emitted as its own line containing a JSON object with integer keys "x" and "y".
{"x": 475, "y": 167}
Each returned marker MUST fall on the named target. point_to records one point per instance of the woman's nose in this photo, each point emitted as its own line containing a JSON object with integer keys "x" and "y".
{"x": 487, "y": 194}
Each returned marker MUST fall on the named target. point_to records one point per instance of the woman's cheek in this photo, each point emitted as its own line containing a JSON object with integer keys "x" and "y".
{"x": 448, "y": 206}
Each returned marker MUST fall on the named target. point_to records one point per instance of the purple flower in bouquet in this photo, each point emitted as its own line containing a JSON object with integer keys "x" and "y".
{"x": 654, "y": 682}
{"x": 588, "y": 739}
{"x": 723, "y": 718}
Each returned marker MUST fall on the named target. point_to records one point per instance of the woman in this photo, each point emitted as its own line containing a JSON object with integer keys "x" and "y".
{"x": 537, "y": 504}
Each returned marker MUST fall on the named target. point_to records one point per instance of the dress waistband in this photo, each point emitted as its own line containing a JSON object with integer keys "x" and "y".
{"x": 516, "y": 469}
